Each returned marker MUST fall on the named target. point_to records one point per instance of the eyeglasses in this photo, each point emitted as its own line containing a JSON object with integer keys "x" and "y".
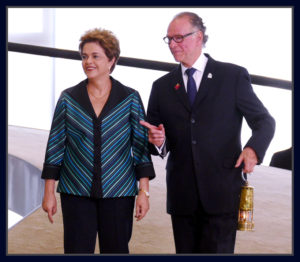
{"x": 177, "y": 38}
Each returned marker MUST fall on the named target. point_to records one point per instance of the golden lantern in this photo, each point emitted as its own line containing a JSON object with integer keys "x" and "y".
{"x": 245, "y": 219}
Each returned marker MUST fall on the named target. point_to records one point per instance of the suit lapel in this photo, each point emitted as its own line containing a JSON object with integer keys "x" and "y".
{"x": 207, "y": 82}
{"x": 179, "y": 89}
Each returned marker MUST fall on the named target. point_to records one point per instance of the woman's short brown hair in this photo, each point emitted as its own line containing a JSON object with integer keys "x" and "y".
{"x": 106, "y": 39}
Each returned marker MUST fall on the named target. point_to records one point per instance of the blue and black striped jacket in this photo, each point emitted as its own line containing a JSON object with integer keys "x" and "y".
{"x": 101, "y": 156}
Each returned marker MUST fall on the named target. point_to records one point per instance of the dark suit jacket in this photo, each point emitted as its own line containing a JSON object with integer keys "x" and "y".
{"x": 204, "y": 142}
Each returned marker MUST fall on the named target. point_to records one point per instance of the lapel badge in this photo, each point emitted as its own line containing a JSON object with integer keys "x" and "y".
{"x": 177, "y": 86}
{"x": 209, "y": 75}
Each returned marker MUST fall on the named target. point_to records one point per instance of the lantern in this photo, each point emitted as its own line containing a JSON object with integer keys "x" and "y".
{"x": 245, "y": 219}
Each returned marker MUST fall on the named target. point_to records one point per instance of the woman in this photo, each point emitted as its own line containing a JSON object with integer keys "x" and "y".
{"x": 97, "y": 150}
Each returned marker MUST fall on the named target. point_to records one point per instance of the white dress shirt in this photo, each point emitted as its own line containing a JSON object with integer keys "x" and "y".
{"x": 199, "y": 65}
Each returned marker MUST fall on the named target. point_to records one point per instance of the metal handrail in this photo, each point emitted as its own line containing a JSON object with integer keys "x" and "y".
{"x": 132, "y": 62}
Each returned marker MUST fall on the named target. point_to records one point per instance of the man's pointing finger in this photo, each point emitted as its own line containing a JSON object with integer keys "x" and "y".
{"x": 146, "y": 124}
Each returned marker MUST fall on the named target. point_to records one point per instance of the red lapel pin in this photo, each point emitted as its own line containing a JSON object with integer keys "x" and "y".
{"x": 177, "y": 86}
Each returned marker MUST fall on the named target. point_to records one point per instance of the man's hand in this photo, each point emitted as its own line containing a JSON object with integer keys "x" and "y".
{"x": 248, "y": 156}
{"x": 156, "y": 134}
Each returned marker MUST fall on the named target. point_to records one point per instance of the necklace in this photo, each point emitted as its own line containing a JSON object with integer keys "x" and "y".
{"x": 101, "y": 96}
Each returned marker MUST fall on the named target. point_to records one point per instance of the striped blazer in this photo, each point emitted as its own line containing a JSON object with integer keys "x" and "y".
{"x": 98, "y": 157}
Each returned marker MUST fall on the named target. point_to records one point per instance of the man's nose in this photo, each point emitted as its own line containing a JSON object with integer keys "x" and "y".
{"x": 172, "y": 43}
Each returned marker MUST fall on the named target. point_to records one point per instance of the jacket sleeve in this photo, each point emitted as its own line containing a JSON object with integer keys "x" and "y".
{"x": 56, "y": 142}
{"x": 141, "y": 157}
{"x": 153, "y": 117}
{"x": 257, "y": 116}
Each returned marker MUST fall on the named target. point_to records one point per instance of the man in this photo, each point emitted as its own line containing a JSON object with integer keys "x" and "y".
{"x": 202, "y": 137}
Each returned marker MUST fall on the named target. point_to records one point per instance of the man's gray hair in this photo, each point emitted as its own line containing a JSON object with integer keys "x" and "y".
{"x": 195, "y": 21}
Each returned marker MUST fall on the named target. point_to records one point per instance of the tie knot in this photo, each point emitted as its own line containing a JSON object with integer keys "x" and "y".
{"x": 190, "y": 71}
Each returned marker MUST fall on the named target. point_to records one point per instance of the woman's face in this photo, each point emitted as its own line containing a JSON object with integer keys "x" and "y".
{"x": 95, "y": 62}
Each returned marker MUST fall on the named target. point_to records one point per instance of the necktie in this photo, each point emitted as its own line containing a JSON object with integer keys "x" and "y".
{"x": 191, "y": 85}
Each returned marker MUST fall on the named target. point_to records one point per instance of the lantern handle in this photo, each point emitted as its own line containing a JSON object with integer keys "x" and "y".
{"x": 243, "y": 176}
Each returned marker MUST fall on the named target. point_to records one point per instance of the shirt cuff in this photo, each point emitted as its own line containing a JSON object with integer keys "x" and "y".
{"x": 162, "y": 149}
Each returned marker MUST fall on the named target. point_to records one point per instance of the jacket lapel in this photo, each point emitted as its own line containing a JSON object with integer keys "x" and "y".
{"x": 207, "y": 82}
{"x": 179, "y": 89}
{"x": 80, "y": 94}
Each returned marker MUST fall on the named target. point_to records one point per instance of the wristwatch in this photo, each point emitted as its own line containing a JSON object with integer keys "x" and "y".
{"x": 146, "y": 192}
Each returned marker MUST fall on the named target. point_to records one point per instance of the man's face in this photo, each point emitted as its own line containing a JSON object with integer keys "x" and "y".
{"x": 188, "y": 51}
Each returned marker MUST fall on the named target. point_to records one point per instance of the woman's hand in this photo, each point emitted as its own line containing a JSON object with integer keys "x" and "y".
{"x": 142, "y": 201}
{"x": 49, "y": 204}
{"x": 142, "y": 205}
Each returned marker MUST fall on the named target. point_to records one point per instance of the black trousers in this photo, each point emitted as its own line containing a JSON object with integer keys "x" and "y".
{"x": 84, "y": 217}
{"x": 205, "y": 233}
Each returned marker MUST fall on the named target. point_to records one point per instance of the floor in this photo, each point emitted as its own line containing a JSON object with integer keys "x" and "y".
{"x": 273, "y": 232}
